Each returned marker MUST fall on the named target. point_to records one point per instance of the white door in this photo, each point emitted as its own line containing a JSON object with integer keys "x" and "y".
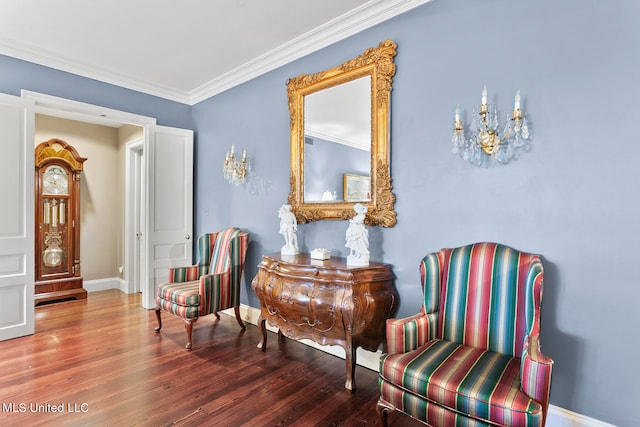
{"x": 169, "y": 160}
{"x": 16, "y": 217}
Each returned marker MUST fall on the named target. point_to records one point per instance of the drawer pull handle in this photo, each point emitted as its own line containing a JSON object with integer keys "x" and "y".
{"x": 315, "y": 322}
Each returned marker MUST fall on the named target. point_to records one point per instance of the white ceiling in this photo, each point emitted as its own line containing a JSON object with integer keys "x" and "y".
{"x": 182, "y": 50}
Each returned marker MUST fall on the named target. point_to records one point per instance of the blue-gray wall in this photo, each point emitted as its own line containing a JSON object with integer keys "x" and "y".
{"x": 573, "y": 198}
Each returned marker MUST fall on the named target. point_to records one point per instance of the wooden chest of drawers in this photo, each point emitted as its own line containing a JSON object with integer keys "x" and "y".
{"x": 326, "y": 301}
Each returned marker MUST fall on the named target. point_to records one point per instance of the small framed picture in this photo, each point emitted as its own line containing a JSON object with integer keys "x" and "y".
{"x": 357, "y": 188}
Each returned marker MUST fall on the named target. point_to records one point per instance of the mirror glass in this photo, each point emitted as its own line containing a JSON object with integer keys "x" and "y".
{"x": 337, "y": 137}
{"x": 340, "y": 139}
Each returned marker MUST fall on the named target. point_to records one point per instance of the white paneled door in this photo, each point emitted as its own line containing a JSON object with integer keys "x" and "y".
{"x": 16, "y": 217}
{"x": 170, "y": 205}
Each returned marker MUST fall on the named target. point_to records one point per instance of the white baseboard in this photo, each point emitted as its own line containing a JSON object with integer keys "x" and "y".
{"x": 108, "y": 283}
{"x": 556, "y": 417}
{"x": 101, "y": 284}
{"x": 559, "y": 417}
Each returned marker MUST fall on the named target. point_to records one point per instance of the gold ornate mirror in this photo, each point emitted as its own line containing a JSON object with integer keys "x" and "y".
{"x": 340, "y": 139}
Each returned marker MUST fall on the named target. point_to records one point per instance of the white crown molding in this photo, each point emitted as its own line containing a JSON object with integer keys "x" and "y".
{"x": 346, "y": 25}
{"x": 352, "y": 22}
{"x": 16, "y": 49}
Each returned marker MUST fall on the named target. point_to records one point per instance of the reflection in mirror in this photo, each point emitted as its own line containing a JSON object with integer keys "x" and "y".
{"x": 337, "y": 136}
{"x": 340, "y": 139}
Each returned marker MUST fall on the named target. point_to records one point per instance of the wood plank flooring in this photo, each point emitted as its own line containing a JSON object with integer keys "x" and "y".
{"x": 98, "y": 362}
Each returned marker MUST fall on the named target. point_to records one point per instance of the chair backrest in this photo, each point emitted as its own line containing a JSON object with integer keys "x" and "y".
{"x": 206, "y": 243}
{"x": 228, "y": 253}
{"x": 486, "y": 295}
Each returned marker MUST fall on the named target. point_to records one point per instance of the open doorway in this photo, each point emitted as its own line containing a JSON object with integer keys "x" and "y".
{"x": 130, "y": 128}
{"x": 166, "y": 171}
{"x": 111, "y": 197}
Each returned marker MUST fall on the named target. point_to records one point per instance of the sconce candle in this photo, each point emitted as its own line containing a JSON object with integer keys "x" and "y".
{"x": 486, "y": 142}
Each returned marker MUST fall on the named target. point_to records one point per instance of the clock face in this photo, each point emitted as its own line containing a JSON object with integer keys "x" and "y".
{"x": 55, "y": 180}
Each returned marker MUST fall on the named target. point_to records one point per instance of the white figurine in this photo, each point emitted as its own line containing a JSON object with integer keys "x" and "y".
{"x": 358, "y": 238}
{"x": 288, "y": 228}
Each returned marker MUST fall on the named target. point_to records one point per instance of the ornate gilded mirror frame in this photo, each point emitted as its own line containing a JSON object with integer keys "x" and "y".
{"x": 378, "y": 64}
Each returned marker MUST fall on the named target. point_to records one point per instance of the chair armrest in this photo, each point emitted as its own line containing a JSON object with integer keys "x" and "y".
{"x": 186, "y": 274}
{"x": 408, "y": 333}
{"x": 535, "y": 372}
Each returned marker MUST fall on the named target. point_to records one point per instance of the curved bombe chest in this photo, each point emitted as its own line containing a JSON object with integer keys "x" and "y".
{"x": 326, "y": 300}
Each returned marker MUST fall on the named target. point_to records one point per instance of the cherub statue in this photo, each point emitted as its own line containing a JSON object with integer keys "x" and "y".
{"x": 358, "y": 237}
{"x": 288, "y": 228}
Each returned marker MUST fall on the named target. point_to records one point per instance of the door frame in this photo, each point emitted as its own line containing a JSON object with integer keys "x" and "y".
{"x": 134, "y": 273}
{"x": 73, "y": 110}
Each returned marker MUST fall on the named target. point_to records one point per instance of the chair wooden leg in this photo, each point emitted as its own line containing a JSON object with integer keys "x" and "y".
{"x": 383, "y": 410}
{"x": 188, "y": 326}
{"x": 157, "y": 328}
{"x": 236, "y": 309}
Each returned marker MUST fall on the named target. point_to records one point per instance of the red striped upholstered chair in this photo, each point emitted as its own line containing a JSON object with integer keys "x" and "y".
{"x": 211, "y": 285}
{"x": 472, "y": 355}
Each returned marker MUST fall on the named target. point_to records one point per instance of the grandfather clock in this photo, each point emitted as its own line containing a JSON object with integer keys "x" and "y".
{"x": 57, "y": 255}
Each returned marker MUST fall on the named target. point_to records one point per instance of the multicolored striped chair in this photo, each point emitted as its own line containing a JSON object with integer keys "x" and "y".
{"x": 209, "y": 286}
{"x": 471, "y": 357}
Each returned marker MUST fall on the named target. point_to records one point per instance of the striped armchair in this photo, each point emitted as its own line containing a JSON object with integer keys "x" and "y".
{"x": 209, "y": 286}
{"x": 472, "y": 355}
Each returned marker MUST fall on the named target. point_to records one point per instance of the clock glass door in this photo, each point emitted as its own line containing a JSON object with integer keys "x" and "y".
{"x": 55, "y": 230}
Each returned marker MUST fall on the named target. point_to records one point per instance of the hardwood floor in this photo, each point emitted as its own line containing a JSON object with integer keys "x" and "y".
{"x": 98, "y": 362}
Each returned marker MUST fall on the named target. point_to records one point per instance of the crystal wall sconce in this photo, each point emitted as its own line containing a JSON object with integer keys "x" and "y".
{"x": 235, "y": 172}
{"x": 486, "y": 143}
